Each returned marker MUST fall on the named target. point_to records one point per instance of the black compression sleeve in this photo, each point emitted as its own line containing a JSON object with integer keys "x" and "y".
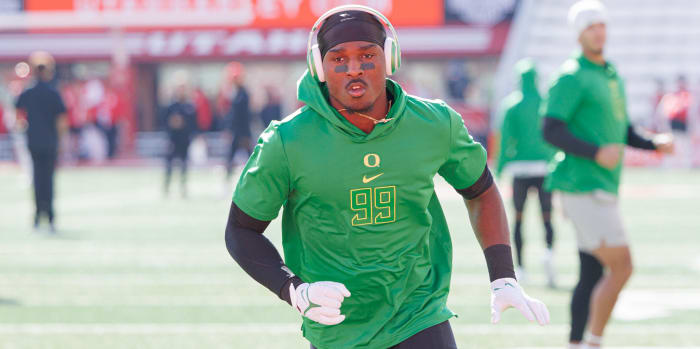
{"x": 637, "y": 140}
{"x": 499, "y": 261}
{"x": 256, "y": 254}
{"x": 557, "y": 133}
{"x": 479, "y": 187}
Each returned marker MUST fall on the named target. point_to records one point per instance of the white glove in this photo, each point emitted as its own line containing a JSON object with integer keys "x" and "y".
{"x": 319, "y": 301}
{"x": 506, "y": 293}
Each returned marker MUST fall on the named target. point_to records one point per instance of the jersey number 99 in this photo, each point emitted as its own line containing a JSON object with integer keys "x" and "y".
{"x": 373, "y": 205}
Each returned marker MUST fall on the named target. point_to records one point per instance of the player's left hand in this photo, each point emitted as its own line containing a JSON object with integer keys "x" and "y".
{"x": 506, "y": 293}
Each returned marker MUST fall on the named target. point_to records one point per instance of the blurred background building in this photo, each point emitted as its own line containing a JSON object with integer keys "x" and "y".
{"x": 117, "y": 59}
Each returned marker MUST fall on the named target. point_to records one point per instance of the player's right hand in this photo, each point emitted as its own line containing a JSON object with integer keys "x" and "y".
{"x": 664, "y": 143}
{"x": 319, "y": 301}
{"x": 609, "y": 156}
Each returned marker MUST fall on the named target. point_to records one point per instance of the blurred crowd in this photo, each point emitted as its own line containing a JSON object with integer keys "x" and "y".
{"x": 677, "y": 111}
{"x": 99, "y": 108}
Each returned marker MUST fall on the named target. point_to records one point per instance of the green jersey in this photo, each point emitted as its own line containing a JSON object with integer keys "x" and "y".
{"x": 360, "y": 209}
{"x": 590, "y": 98}
{"x": 521, "y": 135}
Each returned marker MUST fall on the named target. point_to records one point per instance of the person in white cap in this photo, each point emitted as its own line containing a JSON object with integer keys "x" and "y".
{"x": 585, "y": 116}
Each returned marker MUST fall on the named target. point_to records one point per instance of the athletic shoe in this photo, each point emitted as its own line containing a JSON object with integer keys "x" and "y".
{"x": 548, "y": 261}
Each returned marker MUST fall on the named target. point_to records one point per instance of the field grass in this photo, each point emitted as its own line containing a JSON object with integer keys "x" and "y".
{"x": 133, "y": 269}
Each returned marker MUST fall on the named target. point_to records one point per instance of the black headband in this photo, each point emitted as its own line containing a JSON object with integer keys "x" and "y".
{"x": 350, "y": 26}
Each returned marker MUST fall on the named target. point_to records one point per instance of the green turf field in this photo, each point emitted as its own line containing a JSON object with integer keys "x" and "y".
{"x": 132, "y": 269}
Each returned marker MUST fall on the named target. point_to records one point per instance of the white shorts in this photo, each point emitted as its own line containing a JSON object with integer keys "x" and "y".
{"x": 596, "y": 218}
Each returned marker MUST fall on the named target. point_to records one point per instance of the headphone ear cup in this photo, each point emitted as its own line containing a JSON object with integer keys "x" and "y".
{"x": 396, "y": 56}
{"x": 389, "y": 55}
{"x": 316, "y": 64}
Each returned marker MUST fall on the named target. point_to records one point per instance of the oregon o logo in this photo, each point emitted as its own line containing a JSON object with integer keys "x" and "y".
{"x": 372, "y": 160}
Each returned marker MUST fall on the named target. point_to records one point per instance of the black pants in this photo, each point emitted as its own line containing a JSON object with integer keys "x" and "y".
{"x": 439, "y": 336}
{"x": 521, "y": 186}
{"x": 111, "y": 134}
{"x": 44, "y": 164}
{"x": 177, "y": 150}
{"x": 240, "y": 140}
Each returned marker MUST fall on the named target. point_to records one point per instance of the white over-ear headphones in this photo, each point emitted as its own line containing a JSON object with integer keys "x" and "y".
{"x": 392, "y": 52}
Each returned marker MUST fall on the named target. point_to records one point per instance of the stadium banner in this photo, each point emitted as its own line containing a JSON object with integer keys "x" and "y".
{"x": 207, "y": 13}
{"x": 479, "y": 12}
{"x": 10, "y": 6}
{"x": 165, "y": 45}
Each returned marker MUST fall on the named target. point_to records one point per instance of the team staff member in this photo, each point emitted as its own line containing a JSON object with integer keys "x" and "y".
{"x": 586, "y": 117}
{"x": 524, "y": 154}
{"x": 181, "y": 124}
{"x": 239, "y": 116}
{"x": 45, "y": 112}
{"x": 367, "y": 249}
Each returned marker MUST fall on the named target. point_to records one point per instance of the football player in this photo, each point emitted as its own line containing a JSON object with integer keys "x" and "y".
{"x": 586, "y": 117}
{"x": 367, "y": 250}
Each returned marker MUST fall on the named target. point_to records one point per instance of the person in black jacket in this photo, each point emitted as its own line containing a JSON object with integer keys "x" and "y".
{"x": 273, "y": 108}
{"x": 181, "y": 124}
{"x": 238, "y": 117}
{"x": 46, "y": 120}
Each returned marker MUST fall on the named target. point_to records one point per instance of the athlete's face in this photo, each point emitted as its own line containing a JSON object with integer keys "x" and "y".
{"x": 592, "y": 39}
{"x": 355, "y": 74}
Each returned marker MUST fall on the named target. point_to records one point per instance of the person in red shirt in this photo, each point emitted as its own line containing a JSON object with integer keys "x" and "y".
{"x": 676, "y": 105}
{"x": 108, "y": 117}
{"x": 674, "y": 108}
{"x": 3, "y": 129}
{"x": 204, "y": 114}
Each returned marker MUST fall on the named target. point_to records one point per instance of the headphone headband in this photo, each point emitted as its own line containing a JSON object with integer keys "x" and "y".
{"x": 395, "y": 51}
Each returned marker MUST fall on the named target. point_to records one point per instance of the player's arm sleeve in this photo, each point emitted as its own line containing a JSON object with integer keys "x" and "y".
{"x": 639, "y": 140}
{"x": 465, "y": 166}
{"x": 557, "y": 133}
{"x": 256, "y": 255}
{"x": 262, "y": 189}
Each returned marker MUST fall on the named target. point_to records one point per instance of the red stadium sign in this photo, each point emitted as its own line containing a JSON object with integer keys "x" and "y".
{"x": 227, "y": 13}
{"x": 159, "y": 45}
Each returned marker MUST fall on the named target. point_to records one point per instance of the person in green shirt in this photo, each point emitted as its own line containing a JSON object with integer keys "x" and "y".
{"x": 586, "y": 117}
{"x": 524, "y": 155}
{"x": 367, "y": 252}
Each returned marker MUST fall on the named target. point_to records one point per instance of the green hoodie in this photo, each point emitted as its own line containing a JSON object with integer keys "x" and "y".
{"x": 521, "y": 135}
{"x": 360, "y": 209}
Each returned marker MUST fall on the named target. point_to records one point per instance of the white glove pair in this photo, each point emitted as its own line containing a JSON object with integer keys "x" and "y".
{"x": 506, "y": 293}
{"x": 319, "y": 301}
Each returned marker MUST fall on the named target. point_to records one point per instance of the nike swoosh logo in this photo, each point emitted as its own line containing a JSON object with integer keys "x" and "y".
{"x": 367, "y": 180}
{"x": 500, "y": 288}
